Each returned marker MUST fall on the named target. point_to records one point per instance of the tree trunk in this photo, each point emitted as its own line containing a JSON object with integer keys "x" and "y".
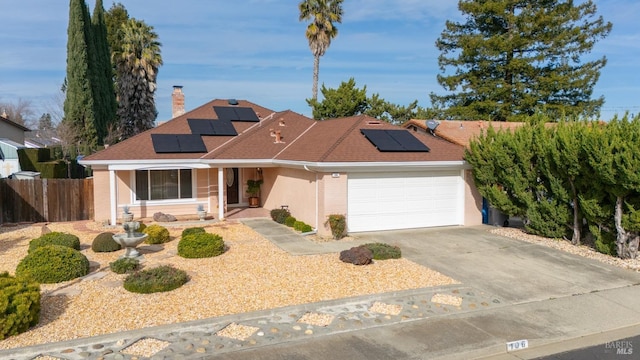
{"x": 577, "y": 223}
{"x": 622, "y": 238}
{"x": 316, "y": 72}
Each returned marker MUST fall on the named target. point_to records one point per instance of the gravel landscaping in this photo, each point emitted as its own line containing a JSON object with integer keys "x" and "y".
{"x": 253, "y": 274}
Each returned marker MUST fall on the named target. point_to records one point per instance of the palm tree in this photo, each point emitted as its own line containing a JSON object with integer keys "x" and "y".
{"x": 137, "y": 63}
{"x": 323, "y": 14}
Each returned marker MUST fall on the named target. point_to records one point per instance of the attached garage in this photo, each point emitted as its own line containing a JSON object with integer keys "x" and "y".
{"x": 404, "y": 200}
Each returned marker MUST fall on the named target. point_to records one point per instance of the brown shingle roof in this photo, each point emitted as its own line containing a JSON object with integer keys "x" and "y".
{"x": 461, "y": 132}
{"x": 303, "y": 139}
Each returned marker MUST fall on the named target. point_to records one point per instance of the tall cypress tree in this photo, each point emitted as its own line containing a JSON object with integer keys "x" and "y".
{"x": 104, "y": 92}
{"x": 511, "y": 59}
{"x": 79, "y": 103}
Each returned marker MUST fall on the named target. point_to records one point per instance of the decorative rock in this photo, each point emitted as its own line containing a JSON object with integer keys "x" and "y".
{"x": 358, "y": 255}
{"x": 308, "y": 331}
{"x": 162, "y": 217}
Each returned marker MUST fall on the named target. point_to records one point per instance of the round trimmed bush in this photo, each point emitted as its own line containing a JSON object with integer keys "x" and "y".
{"x": 279, "y": 215}
{"x": 157, "y": 234}
{"x": 124, "y": 265}
{"x": 141, "y": 227}
{"x": 290, "y": 221}
{"x": 383, "y": 251}
{"x": 158, "y": 279}
{"x": 55, "y": 238}
{"x": 104, "y": 243}
{"x": 192, "y": 230}
{"x": 302, "y": 227}
{"x": 19, "y": 305}
{"x": 53, "y": 264}
{"x": 201, "y": 245}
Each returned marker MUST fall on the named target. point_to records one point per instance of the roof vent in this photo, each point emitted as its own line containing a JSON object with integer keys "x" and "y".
{"x": 373, "y": 122}
{"x": 232, "y": 102}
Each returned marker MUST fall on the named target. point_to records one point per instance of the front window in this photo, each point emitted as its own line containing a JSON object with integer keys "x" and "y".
{"x": 163, "y": 184}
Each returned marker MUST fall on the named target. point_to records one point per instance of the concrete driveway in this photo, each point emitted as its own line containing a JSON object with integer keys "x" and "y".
{"x": 517, "y": 271}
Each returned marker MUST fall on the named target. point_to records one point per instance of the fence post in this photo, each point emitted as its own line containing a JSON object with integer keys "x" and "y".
{"x": 45, "y": 199}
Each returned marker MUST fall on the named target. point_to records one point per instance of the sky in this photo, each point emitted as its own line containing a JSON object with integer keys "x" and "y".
{"x": 256, "y": 50}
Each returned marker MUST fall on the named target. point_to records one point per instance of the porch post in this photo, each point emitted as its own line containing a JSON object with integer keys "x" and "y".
{"x": 221, "y": 184}
{"x": 113, "y": 196}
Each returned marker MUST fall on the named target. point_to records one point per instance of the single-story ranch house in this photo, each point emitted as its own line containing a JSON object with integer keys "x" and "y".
{"x": 380, "y": 176}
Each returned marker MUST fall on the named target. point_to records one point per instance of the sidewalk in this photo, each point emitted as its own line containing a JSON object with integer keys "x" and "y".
{"x": 510, "y": 291}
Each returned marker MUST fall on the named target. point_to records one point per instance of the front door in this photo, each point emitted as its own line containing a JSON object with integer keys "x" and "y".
{"x": 233, "y": 193}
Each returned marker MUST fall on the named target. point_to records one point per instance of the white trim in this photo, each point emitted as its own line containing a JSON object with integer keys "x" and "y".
{"x": 221, "y": 193}
{"x": 113, "y": 196}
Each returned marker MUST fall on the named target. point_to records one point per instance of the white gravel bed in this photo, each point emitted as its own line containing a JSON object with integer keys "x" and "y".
{"x": 253, "y": 274}
{"x": 565, "y": 245}
{"x": 383, "y": 308}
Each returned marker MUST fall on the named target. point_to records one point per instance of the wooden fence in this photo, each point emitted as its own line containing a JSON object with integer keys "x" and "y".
{"x": 45, "y": 200}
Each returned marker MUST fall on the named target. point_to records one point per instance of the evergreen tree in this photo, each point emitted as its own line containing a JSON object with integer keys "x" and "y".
{"x": 79, "y": 103}
{"x": 346, "y": 100}
{"x": 513, "y": 58}
{"x": 137, "y": 61}
{"x": 104, "y": 92}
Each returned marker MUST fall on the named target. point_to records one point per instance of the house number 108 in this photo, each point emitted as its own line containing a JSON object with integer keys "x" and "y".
{"x": 517, "y": 345}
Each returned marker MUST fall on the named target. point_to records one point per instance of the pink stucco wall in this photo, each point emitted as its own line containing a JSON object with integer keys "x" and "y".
{"x": 294, "y": 188}
{"x": 473, "y": 201}
{"x": 333, "y": 198}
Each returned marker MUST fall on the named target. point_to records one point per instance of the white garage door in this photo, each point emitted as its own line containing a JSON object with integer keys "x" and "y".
{"x": 388, "y": 201}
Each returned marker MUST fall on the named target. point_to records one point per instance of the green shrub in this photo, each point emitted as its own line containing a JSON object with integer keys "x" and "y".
{"x": 157, "y": 234}
{"x": 55, "y": 238}
{"x": 338, "y": 225}
{"x": 200, "y": 245}
{"x": 604, "y": 242}
{"x": 53, "y": 264}
{"x": 192, "y": 230}
{"x": 280, "y": 215}
{"x": 383, "y": 251}
{"x": 124, "y": 265}
{"x": 158, "y": 279}
{"x": 302, "y": 227}
{"x": 141, "y": 227}
{"x": 19, "y": 305}
{"x": 290, "y": 221}
{"x": 104, "y": 243}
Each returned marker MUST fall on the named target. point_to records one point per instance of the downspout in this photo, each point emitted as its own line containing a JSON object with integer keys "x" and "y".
{"x": 317, "y": 196}
{"x": 220, "y": 193}
{"x": 113, "y": 195}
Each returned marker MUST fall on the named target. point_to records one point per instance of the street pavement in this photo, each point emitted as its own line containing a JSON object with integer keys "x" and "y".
{"x": 509, "y": 291}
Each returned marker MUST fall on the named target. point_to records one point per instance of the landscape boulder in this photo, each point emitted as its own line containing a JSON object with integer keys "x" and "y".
{"x": 358, "y": 255}
{"x": 162, "y": 217}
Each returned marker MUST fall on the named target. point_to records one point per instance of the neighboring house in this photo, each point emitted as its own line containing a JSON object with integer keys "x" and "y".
{"x": 315, "y": 168}
{"x": 11, "y": 139}
{"x": 456, "y": 131}
{"x": 41, "y": 139}
{"x": 12, "y": 130}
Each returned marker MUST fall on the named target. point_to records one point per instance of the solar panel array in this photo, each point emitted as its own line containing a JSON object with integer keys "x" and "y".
{"x": 394, "y": 140}
{"x": 212, "y": 127}
{"x": 234, "y": 113}
{"x": 178, "y": 143}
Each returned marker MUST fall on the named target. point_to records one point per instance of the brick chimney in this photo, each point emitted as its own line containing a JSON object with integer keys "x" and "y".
{"x": 177, "y": 101}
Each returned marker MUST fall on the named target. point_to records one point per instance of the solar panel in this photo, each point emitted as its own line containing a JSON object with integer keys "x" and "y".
{"x": 394, "y": 140}
{"x": 165, "y": 143}
{"x": 246, "y": 114}
{"x": 225, "y": 113}
{"x": 182, "y": 143}
{"x": 407, "y": 140}
{"x": 201, "y": 126}
{"x": 236, "y": 113}
{"x": 223, "y": 128}
{"x": 190, "y": 143}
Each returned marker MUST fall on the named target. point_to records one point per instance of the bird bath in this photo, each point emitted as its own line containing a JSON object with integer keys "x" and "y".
{"x": 130, "y": 239}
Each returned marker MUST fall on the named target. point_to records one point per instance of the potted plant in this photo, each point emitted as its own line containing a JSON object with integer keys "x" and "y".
{"x": 253, "y": 190}
{"x": 127, "y": 216}
{"x": 202, "y": 213}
